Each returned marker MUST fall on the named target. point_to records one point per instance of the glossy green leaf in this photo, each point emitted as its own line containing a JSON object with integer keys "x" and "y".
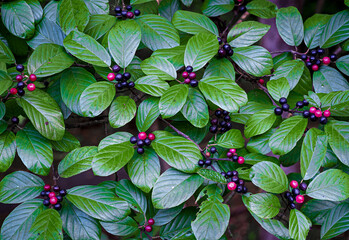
{"x": 214, "y": 8}
{"x": 259, "y": 123}
{"x": 7, "y": 150}
{"x": 336, "y": 221}
{"x": 152, "y": 85}
{"x": 274, "y": 227}
{"x": 299, "y": 225}
{"x": 122, "y": 110}
{"x": 343, "y": 64}
{"x": 159, "y": 67}
{"x": 336, "y": 29}
{"x": 73, "y": 14}
{"x": 172, "y": 101}
{"x": 290, "y": 25}
{"x": 316, "y": 210}
{"x": 279, "y": 88}
{"x": 51, "y": 11}
{"x": 337, "y": 101}
{"x": 47, "y": 225}
{"x": 292, "y": 70}
{"x": 328, "y": 79}
{"x": 99, "y": 25}
{"x": 254, "y": 158}
{"x": 262, "y": 8}
{"x": 130, "y": 193}
{"x": 6, "y": 54}
{"x": 36, "y": 9}
{"x": 125, "y": 227}
{"x": 220, "y": 67}
{"x": 212, "y": 175}
{"x": 147, "y": 113}
{"x": 260, "y": 144}
{"x": 67, "y": 144}
{"x": 264, "y": 205}
{"x": 114, "y": 139}
{"x": 313, "y": 28}
{"x": 164, "y": 216}
{"x": 231, "y": 139}
{"x": 5, "y": 82}
{"x": 173, "y": 55}
{"x": 167, "y": 8}
{"x": 337, "y": 133}
{"x": 195, "y": 109}
{"x": 97, "y": 6}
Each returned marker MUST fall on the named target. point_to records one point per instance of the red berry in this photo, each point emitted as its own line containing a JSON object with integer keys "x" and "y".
{"x": 312, "y": 110}
{"x": 241, "y": 160}
{"x": 326, "y": 60}
{"x": 229, "y": 154}
{"x": 129, "y": 15}
{"x": 142, "y": 135}
{"x": 192, "y": 75}
{"x": 111, "y": 76}
{"x": 19, "y": 78}
{"x": 232, "y": 150}
{"x": 52, "y": 194}
{"x": 318, "y": 113}
{"x": 13, "y": 91}
{"x": 315, "y": 67}
{"x": 187, "y": 81}
{"x": 208, "y": 154}
{"x": 148, "y": 228}
{"x": 185, "y": 74}
{"x": 299, "y": 198}
{"x": 32, "y": 77}
{"x": 31, "y": 87}
{"x": 53, "y": 200}
{"x": 294, "y": 184}
{"x": 261, "y": 81}
{"x": 47, "y": 187}
{"x": 231, "y": 186}
{"x": 151, "y": 221}
{"x": 151, "y": 136}
{"x": 327, "y": 113}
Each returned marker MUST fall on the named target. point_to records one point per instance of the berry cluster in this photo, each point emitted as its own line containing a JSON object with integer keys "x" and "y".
{"x": 53, "y": 196}
{"x": 207, "y": 163}
{"x": 313, "y": 60}
{"x": 295, "y": 195}
{"x": 19, "y": 89}
{"x": 285, "y": 107}
{"x": 224, "y": 50}
{"x": 120, "y": 78}
{"x": 223, "y": 125}
{"x": 190, "y": 77}
{"x": 149, "y": 227}
{"x": 232, "y": 154}
{"x": 126, "y": 13}
{"x": 142, "y": 140}
{"x": 314, "y": 114}
{"x": 236, "y": 183}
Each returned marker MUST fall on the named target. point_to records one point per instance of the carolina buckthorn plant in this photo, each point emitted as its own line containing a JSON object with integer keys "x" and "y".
{"x": 198, "y": 116}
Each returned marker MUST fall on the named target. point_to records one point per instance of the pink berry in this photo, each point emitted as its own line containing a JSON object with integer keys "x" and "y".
{"x": 32, "y": 77}
{"x": 318, "y": 113}
{"x": 151, "y": 136}
{"x": 232, "y": 150}
{"x": 294, "y": 184}
{"x": 327, "y": 113}
{"x": 148, "y": 228}
{"x": 151, "y": 221}
{"x": 19, "y": 78}
{"x": 53, "y": 200}
{"x": 31, "y": 87}
{"x": 187, "y": 81}
{"x": 13, "y": 91}
{"x": 261, "y": 81}
{"x": 185, "y": 74}
{"x": 192, "y": 75}
{"x": 232, "y": 186}
{"x": 299, "y": 198}
{"x": 47, "y": 187}
{"x": 51, "y": 195}
{"x": 312, "y": 110}
{"x": 142, "y": 135}
{"x": 111, "y": 76}
{"x": 326, "y": 60}
{"x": 315, "y": 67}
{"x": 241, "y": 160}
{"x": 130, "y": 15}
{"x": 229, "y": 154}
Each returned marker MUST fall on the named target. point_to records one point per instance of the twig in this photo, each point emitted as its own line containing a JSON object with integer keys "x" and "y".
{"x": 220, "y": 159}
{"x": 231, "y": 194}
{"x": 267, "y": 92}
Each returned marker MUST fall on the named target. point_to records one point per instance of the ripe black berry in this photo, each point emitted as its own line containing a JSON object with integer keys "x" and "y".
{"x": 222, "y": 123}
{"x": 235, "y": 158}
{"x": 118, "y": 9}
{"x": 278, "y": 111}
{"x": 118, "y": 77}
{"x": 140, "y": 150}
{"x": 242, "y": 9}
{"x": 235, "y": 173}
{"x": 292, "y": 206}
{"x": 20, "y": 68}
{"x": 201, "y": 163}
{"x": 282, "y": 100}
{"x": 189, "y": 69}
{"x": 140, "y": 143}
{"x": 323, "y": 120}
{"x": 228, "y": 125}
{"x": 225, "y": 113}
{"x": 235, "y": 179}
{"x": 308, "y": 64}
{"x": 124, "y": 84}
{"x": 290, "y": 198}
{"x": 213, "y": 129}
{"x": 226, "y": 47}
{"x": 20, "y": 92}
{"x": 241, "y": 182}
{"x": 318, "y": 62}
{"x": 313, "y": 52}
{"x": 129, "y": 7}
{"x": 127, "y": 75}
{"x": 312, "y": 58}
{"x": 131, "y": 84}
{"x": 230, "y": 173}
{"x": 20, "y": 85}
{"x": 222, "y": 53}
{"x": 133, "y": 139}
{"x": 56, "y": 188}
{"x": 227, "y": 118}
{"x": 306, "y": 114}
{"x": 119, "y": 86}
{"x": 208, "y": 162}
{"x": 304, "y": 57}
{"x": 58, "y": 206}
{"x": 312, "y": 117}
{"x": 230, "y": 52}
{"x": 124, "y": 13}
{"x": 43, "y": 194}
{"x": 213, "y": 150}
{"x": 303, "y": 186}
{"x": 305, "y": 102}
{"x": 239, "y": 189}
{"x": 214, "y": 121}
{"x": 147, "y": 141}
{"x": 300, "y": 104}
{"x": 295, "y": 192}
{"x": 137, "y": 12}
{"x": 47, "y": 193}
{"x": 219, "y": 40}
{"x": 333, "y": 57}
{"x": 244, "y": 189}
{"x": 63, "y": 192}
{"x": 194, "y": 83}
{"x": 59, "y": 198}
{"x": 285, "y": 107}
{"x": 320, "y": 51}
{"x": 218, "y": 113}
{"x": 15, "y": 120}
{"x": 116, "y": 68}
{"x": 46, "y": 202}
{"x": 287, "y": 194}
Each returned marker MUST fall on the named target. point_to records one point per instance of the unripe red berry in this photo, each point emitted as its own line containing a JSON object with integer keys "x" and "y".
{"x": 142, "y": 135}
{"x": 130, "y": 15}
{"x": 327, "y": 113}
{"x": 294, "y": 184}
{"x": 208, "y": 154}
{"x": 299, "y": 198}
{"x": 187, "y": 81}
{"x": 315, "y": 67}
{"x": 192, "y": 75}
{"x": 312, "y": 110}
{"x": 19, "y": 78}
{"x": 53, "y": 200}
{"x": 232, "y": 150}
{"x": 326, "y": 60}
{"x": 318, "y": 113}
{"x": 51, "y": 195}
{"x": 47, "y": 187}
{"x": 32, "y": 77}
{"x": 241, "y": 160}
{"x": 31, "y": 87}
{"x": 13, "y": 91}
{"x": 151, "y": 136}
{"x": 148, "y": 228}
{"x": 185, "y": 74}
{"x": 261, "y": 81}
{"x": 111, "y": 76}
{"x": 151, "y": 221}
{"x": 231, "y": 186}
{"x": 229, "y": 154}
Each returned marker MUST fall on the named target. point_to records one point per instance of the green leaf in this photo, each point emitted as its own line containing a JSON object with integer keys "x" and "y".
{"x": 247, "y": 33}
{"x": 131, "y": 194}
{"x": 51, "y": 11}
{"x": 67, "y": 144}
{"x": 337, "y": 133}
{"x": 6, "y": 82}
{"x": 160, "y": 67}
{"x": 17, "y": 224}
{"x": 73, "y": 14}
{"x": 96, "y": 98}
{"x": 173, "y": 188}
{"x": 111, "y": 159}
{"x": 264, "y": 205}
{"x": 330, "y": 185}
{"x": 77, "y": 161}
{"x": 187, "y": 3}
{"x": 36, "y": 9}
{"x": 336, "y": 221}
{"x": 7, "y": 150}
{"x": 328, "y": 79}
{"x": 299, "y": 225}
{"x": 34, "y": 150}
{"x": 279, "y": 88}
{"x": 337, "y": 101}
{"x": 223, "y": 92}
{"x": 122, "y": 110}
{"x": 286, "y": 137}
{"x": 260, "y": 144}
{"x": 48, "y": 59}
{"x": 220, "y": 67}
{"x": 87, "y": 49}
{"x": 44, "y": 113}
{"x": 152, "y": 85}
{"x": 77, "y": 224}
{"x": 290, "y": 25}
{"x": 98, "y": 202}
{"x": 313, "y": 152}
{"x": 172, "y": 101}
{"x": 178, "y": 152}
{"x": 19, "y": 186}
{"x": 262, "y": 8}
{"x": 144, "y": 169}
{"x": 231, "y": 139}
{"x": 316, "y": 210}
{"x": 254, "y": 158}
{"x": 164, "y": 216}
{"x": 193, "y": 23}
{"x": 167, "y": 8}
{"x": 200, "y": 49}
{"x": 260, "y": 123}
{"x": 195, "y": 109}
{"x": 6, "y": 54}
{"x": 123, "y": 41}
{"x": 47, "y": 225}
{"x": 157, "y": 32}
{"x": 343, "y": 64}
{"x": 147, "y": 113}
{"x": 125, "y": 227}
{"x": 114, "y": 139}
{"x": 214, "y": 8}
{"x": 97, "y": 6}
{"x": 274, "y": 227}
{"x": 269, "y": 177}
{"x": 18, "y": 18}
{"x": 2, "y": 110}
{"x": 313, "y": 28}
{"x": 173, "y": 55}
{"x": 212, "y": 175}
{"x": 99, "y": 25}
{"x": 336, "y": 30}
{"x": 292, "y": 70}
{"x": 255, "y": 60}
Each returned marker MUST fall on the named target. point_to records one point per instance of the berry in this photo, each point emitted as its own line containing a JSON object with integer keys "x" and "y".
{"x": 111, "y": 76}
{"x": 222, "y": 53}
{"x": 47, "y": 187}
{"x": 231, "y": 186}
{"x": 126, "y": 75}
{"x": 224, "y": 174}
{"x": 47, "y": 193}
{"x": 261, "y": 81}
{"x": 21, "y": 92}
{"x": 306, "y": 114}
{"x": 187, "y": 81}
{"x": 219, "y": 40}
{"x": 124, "y": 84}
{"x": 58, "y": 206}
{"x": 194, "y": 83}
{"x": 227, "y": 118}
{"x": 53, "y": 200}
{"x": 124, "y": 13}
{"x": 294, "y": 184}
{"x": 20, "y": 68}
{"x": 308, "y": 64}
{"x": 142, "y": 135}
{"x": 229, "y": 154}
{"x": 118, "y": 77}
{"x": 13, "y": 91}
{"x": 285, "y": 107}
{"x": 130, "y": 15}
{"x": 327, "y": 113}
{"x": 15, "y": 120}
{"x": 133, "y": 139}
{"x": 241, "y": 182}
{"x": 300, "y": 104}
{"x": 242, "y": 9}
{"x": 208, "y": 162}
{"x": 20, "y": 85}
{"x": 192, "y": 75}
{"x": 63, "y": 192}
{"x": 147, "y": 142}
{"x": 320, "y": 51}
{"x": 292, "y": 206}
{"x": 118, "y": 14}
{"x": 31, "y": 87}
{"x": 208, "y": 154}
{"x": 189, "y": 69}
{"x": 218, "y": 113}
{"x": 239, "y": 189}
{"x": 148, "y": 228}
{"x": 232, "y": 150}
{"x": 46, "y": 202}
{"x": 300, "y": 199}
{"x": 118, "y": 9}
{"x": 303, "y": 186}
{"x": 278, "y": 111}
{"x": 201, "y": 163}
{"x": 235, "y": 173}
{"x": 32, "y": 77}
{"x": 235, "y": 158}
{"x": 305, "y": 102}
{"x": 140, "y": 143}
{"x": 222, "y": 123}
{"x": 312, "y": 110}
{"x": 318, "y": 62}
{"x": 282, "y": 100}
{"x": 226, "y": 47}
{"x": 19, "y": 78}
{"x": 140, "y": 150}
{"x": 296, "y": 191}
{"x": 151, "y": 136}
{"x": 214, "y": 121}
{"x": 213, "y": 129}
{"x": 244, "y": 189}
{"x": 235, "y": 179}
{"x": 59, "y": 198}
{"x": 137, "y": 12}
{"x": 241, "y": 160}
{"x": 315, "y": 67}
{"x": 312, "y": 117}
{"x": 52, "y": 194}
{"x": 129, "y": 7}
{"x": 229, "y": 173}
{"x": 213, "y": 150}
{"x": 185, "y": 74}
{"x": 119, "y": 86}
{"x": 312, "y": 59}
{"x": 116, "y": 68}
{"x": 56, "y": 188}
{"x": 313, "y": 52}
{"x": 151, "y": 221}
{"x": 290, "y": 198}
{"x": 230, "y": 52}
{"x": 304, "y": 57}
{"x": 333, "y": 57}
{"x": 43, "y": 194}
{"x": 323, "y": 120}
{"x": 131, "y": 84}
{"x": 287, "y": 194}
{"x": 318, "y": 113}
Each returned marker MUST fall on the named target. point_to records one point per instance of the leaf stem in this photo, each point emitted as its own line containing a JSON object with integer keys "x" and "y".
{"x": 231, "y": 194}
{"x": 267, "y": 92}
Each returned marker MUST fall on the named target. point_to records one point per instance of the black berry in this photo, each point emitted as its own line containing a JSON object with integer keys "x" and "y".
{"x": 290, "y": 198}
{"x": 292, "y": 206}
{"x": 323, "y": 120}
{"x": 58, "y": 206}
{"x": 218, "y": 113}
{"x": 287, "y": 194}
{"x": 308, "y": 64}
{"x": 118, "y": 77}
{"x": 147, "y": 141}
{"x": 226, "y": 47}
{"x": 189, "y": 69}
{"x": 194, "y": 83}
{"x": 59, "y": 198}
{"x": 213, "y": 150}
{"x": 312, "y": 117}
{"x": 303, "y": 186}
{"x": 285, "y": 107}
{"x": 127, "y": 75}
{"x": 219, "y": 40}
{"x": 20, "y": 92}
{"x": 278, "y": 111}
{"x": 213, "y": 129}
{"x": 43, "y": 194}
{"x": 137, "y": 12}
{"x": 295, "y": 192}
{"x": 118, "y": 9}
{"x": 333, "y": 57}
{"x": 140, "y": 150}
{"x": 300, "y": 104}
{"x": 20, "y": 85}
{"x": 46, "y": 202}
{"x": 15, "y": 120}
{"x": 313, "y": 52}
{"x": 124, "y": 13}
{"x": 208, "y": 162}
{"x": 304, "y": 57}
{"x": 214, "y": 121}
{"x": 320, "y": 51}
{"x": 140, "y": 143}
{"x": 201, "y": 163}
{"x": 129, "y": 7}
{"x": 306, "y": 114}
{"x": 131, "y": 84}
{"x": 305, "y": 102}
{"x": 229, "y": 173}
{"x": 116, "y": 68}
{"x": 235, "y": 158}
{"x": 282, "y": 100}
{"x": 133, "y": 139}
{"x": 56, "y": 188}
{"x": 239, "y": 189}
{"x": 230, "y": 52}
{"x": 222, "y": 53}
{"x": 242, "y": 9}
{"x": 235, "y": 179}
{"x": 63, "y": 192}
{"x": 235, "y": 173}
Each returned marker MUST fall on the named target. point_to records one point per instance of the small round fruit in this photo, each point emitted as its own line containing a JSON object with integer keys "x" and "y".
{"x": 287, "y": 194}
{"x": 242, "y": 9}
{"x": 235, "y": 158}
{"x": 133, "y": 139}
{"x": 137, "y": 12}
{"x": 327, "y": 113}
{"x": 213, "y": 149}
{"x": 290, "y": 198}
{"x": 244, "y": 189}
{"x": 129, "y": 7}
{"x": 126, "y": 75}
{"x": 58, "y": 206}
{"x": 300, "y": 199}
{"x": 116, "y": 68}
{"x": 56, "y": 188}
{"x": 31, "y": 87}
{"x": 142, "y": 135}
{"x": 222, "y": 53}
{"x": 241, "y": 160}
{"x": 235, "y": 179}
{"x": 226, "y": 47}
{"x": 224, "y": 174}
{"x": 313, "y": 52}
{"x": 312, "y": 117}
{"x": 208, "y": 154}
{"x": 312, "y": 110}
{"x": 312, "y": 58}
{"x": 32, "y": 77}
{"x": 131, "y": 84}
{"x": 194, "y": 83}
{"x": 305, "y": 102}
{"x": 53, "y": 200}
{"x": 315, "y": 67}
{"x": 308, "y": 64}
{"x": 282, "y": 100}
{"x": 15, "y": 120}
{"x": 230, "y": 52}
{"x": 241, "y": 182}
{"x": 63, "y": 192}
{"x": 214, "y": 121}
{"x": 230, "y": 154}
{"x": 20, "y": 85}
{"x": 151, "y": 221}
{"x": 261, "y": 81}
{"x": 124, "y": 13}
{"x": 318, "y": 62}
{"x": 303, "y": 186}
{"x": 21, "y": 92}
{"x": 140, "y": 150}
{"x": 320, "y": 51}
{"x": 13, "y": 91}
{"x": 19, "y": 78}
{"x": 278, "y": 111}
{"x": 130, "y": 15}
{"x": 300, "y": 104}
{"x": 52, "y": 194}
{"x": 323, "y": 120}
{"x": 118, "y": 9}
{"x": 187, "y": 81}
{"x": 189, "y": 69}
{"x": 285, "y": 107}
{"x": 326, "y": 60}
{"x": 239, "y": 189}
{"x": 229, "y": 173}
{"x": 111, "y": 76}
{"x": 201, "y": 163}
{"x": 43, "y": 194}
{"x": 306, "y": 114}
{"x": 124, "y": 84}
{"x": 20, "y": 67}
{"x": 219, "y": 40}
{"x": 296, "y": 191}
{"x": 147, "y": 142}
{"x": 292, "y": 205}
{"x": 213, "y": 129}
{"x": 231, "y": 186}
{"x": 218, "y": 113}
{"x": 235, "y": 173}
{"x": 232, "y": 150}
{"x": 304, "y": 57}
{"x": 47, "y": 193}
{"x": 47, "y": 187}
{"x": 185, "y": 74}
{"x": 151, "y": 136}
{"x": 192, "y": 75}
{"x": 46, "y": 202}
{"x": 140, "y": 143}
{"x": 148, "y": 228}
{"x": 318, "y": 113}
{"x": 208, "y": 162}
{"x": 293, "y": 184}
{"x": 333, "y": 57}
{"x": 118, "y": 77}
{"x": 59, "y": 198}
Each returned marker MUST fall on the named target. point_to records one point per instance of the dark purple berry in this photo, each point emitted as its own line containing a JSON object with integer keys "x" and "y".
{"x": 282, "y": 100}
{"x": 126, "y": 75}
{"x": 219, "y": 40}
{"x": 46, "y": 202}
{"x": 235, "y": 158}
{"x": 300, "y": 104}
{"x": 242, "y": 9}
{"x": 20, "y": 68}
{"x": 213, "y": 150}
{"x": 295, "y": 192}
{"x": 223, "y": 174}
{"x": 304, "y": 57}
{"x": 137, "y": 12}
{"x": 43, "y": 193}
{"x": 320, "y": 51}
{"x": 218, "y": 113}
{"x": 133, "y": 139}
{"x": 222, "y": 53}
{"x": 56, "y": 188}
{"x": 116, "y": 68}
{"x": 235, "y": 179}
{"x": 306, "y": 114}
{"x": 313, "y": 52}
{"x": 58, "y": 206}
{"x": 287, "y": 194}
{"x": 285, "y": 107}
{"x": 63, "y": 192}
{"x": 140, "y": 143}
{"x": 194, "y": 83}
{"x": 140, "y": 150}
{"x": 214, "y": 121}
{"x": 118, "y": 77}
{"x": 230, "y": 173}
{"x": 235, "y": 173}
{"x": 129, "y": 7}
{"x": 118, "y": 9}
{"x": 303, "y": 186}
{"x": 278, "y": 111}
{"x": 147, "y": 142}
{"x": 312, "y": 117}
{"x": 20, "y": 92}
{"x": 208, "y": 162}
{"x": 230, "y": 52}
{"x": 292, "y": 205}
{"x": 213, "y": 129}
{"x": 333, "y": 57}
{"x": 239, "y": 189}
{"x": 189, "y": 69}
{"x": 201, "y": 163}
{"x": 323, "y": 120}
{"x": 131, "y": 84}
{"x": 59, "y": 198}
{"x": 305, "y": 102}
{"x": 226, "y": 47}
{"x": 15, "y": 120}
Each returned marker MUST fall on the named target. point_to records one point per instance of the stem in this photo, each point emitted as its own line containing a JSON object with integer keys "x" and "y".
{"x": 231, "y": 194}
{"x": 86, "y": 124}
{"x": 267, "y": 92}
{"x": 220, "y": 159}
